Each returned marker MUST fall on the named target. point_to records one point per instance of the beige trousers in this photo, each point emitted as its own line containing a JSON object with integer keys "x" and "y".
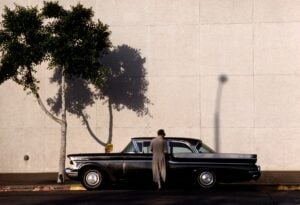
{"x": 158, "y": 161}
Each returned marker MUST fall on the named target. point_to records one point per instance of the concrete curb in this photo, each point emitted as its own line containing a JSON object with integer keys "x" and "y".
{"x": 41, "y": 188}
{"x": 288, "y": 188}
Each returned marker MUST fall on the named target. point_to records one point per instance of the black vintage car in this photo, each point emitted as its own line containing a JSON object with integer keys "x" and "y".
{"x": 188, "y": 160}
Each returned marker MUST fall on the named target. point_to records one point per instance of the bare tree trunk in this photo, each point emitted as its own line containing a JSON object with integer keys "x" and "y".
{"x": 62, "y": 122}
{"x": 63, "y": 142}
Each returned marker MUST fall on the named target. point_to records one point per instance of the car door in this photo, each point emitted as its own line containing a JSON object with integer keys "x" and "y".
{"x": 138, "y": 166}
{"x": 178, "y": 170}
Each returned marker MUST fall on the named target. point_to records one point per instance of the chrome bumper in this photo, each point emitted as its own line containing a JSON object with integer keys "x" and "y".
{"x": 71, "y": 173}
{"x": 255, "y": 173}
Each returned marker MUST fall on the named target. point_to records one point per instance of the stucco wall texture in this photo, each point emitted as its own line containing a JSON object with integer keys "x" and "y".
{"x": 186, "y": 44}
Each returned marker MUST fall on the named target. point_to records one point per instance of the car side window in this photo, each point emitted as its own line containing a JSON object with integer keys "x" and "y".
{"x": 178, "y": 147}
{"x": 144, "y": 147}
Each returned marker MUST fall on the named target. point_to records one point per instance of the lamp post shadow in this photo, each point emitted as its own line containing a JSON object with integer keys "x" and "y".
{"x": 222, "y": 80}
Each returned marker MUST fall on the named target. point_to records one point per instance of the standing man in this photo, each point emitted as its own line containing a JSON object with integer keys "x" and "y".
{"x": 158, "y": 149}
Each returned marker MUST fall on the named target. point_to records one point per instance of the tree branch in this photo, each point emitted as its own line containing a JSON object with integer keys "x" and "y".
{"x": 40, "y": 102}
{"x": 86, "y": 122}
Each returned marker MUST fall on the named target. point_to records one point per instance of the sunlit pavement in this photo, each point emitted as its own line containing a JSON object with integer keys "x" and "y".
{"x": 222, "y": 195}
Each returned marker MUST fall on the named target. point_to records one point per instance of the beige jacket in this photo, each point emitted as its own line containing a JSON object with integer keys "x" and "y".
{"x": 158, "y": 148}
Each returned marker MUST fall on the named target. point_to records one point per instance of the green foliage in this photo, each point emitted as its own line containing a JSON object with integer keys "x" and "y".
{"x": 53, "y": 10}
{"x": 69, "y": 39}
{"x": 22, "y": 44}
{"x": 76, "y": 43}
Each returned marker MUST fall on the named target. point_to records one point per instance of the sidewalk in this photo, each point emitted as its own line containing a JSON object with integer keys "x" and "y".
{"x": 36, "y": 182}
{"x": 275, "y": 180}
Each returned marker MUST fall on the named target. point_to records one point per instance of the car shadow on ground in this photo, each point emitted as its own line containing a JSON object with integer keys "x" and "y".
{"x": 184, "y": 186}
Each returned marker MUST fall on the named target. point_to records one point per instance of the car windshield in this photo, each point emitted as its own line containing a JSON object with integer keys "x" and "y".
{"x": 129, "y": 148}
{"x": 203, "y": 148}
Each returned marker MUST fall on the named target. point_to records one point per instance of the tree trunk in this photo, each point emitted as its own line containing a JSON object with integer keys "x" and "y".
{"x": 63, "y": 124}
{"x": 63, "y": 141}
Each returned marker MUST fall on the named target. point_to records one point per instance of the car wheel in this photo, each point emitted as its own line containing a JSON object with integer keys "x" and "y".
{"x": 92, "y": 179}
{"x": 206, "y": 179}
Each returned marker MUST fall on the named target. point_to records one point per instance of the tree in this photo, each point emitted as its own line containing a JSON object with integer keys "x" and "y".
{"x": 75, "y": 45}
{"x": 69, "y": 39}
{"x": 22, "y": 44}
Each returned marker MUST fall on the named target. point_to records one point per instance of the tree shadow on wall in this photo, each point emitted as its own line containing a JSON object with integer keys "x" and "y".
{"x": 126, "y": 87}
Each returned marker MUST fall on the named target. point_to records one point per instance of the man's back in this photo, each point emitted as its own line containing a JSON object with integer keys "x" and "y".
{"x": 158, "y": 147}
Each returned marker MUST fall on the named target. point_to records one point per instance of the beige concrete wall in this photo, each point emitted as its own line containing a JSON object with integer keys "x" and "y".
{"x": 187, "y": 45}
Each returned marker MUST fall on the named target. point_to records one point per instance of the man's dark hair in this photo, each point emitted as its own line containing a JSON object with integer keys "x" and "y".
{"x": 161, "y": 132}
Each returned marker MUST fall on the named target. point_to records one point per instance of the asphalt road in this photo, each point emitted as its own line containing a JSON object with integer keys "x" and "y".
{"x": 224, "y": 195}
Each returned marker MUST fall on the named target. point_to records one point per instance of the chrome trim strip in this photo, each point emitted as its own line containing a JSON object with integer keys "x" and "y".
{"x": 71, "y": 173}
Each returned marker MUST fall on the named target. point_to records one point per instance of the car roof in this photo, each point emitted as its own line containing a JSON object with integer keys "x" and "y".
{"x": 190, "y": 140}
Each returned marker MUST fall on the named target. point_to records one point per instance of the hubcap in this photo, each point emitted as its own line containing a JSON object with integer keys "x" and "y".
{"x": 93, "y": 178}
{"x": 206, "y": 178}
